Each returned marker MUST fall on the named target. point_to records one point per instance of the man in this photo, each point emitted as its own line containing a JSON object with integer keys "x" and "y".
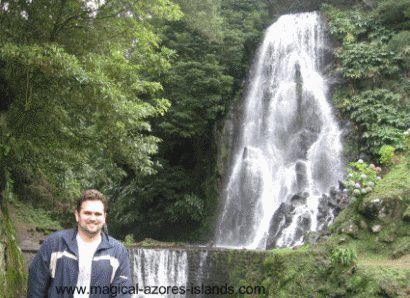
{"x": 83, "y": 261}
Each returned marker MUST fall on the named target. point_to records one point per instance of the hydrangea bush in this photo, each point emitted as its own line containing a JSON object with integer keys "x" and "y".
{"x": 362, "y": 178}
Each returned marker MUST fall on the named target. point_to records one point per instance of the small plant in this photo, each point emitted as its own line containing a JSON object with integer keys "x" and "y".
{"x": 344, "y": 257}
{"x": 387, "y": 155}
{"x": 362, "y": 178}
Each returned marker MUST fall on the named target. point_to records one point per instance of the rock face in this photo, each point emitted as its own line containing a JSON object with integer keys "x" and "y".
{"x": 13, "y": 275}
{"x": 383, "y": 210}
{"x": 329, "y": 207}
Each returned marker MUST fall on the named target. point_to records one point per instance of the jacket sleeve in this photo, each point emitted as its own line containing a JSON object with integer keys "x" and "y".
{"x": 39, "y": 277}
{"x": 122, "y": 278}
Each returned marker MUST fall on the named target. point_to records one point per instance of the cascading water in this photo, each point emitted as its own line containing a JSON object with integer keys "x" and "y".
{"x": 157, "y": 271}
{"x": 289, "y": 141}
{"x": 160, "y": 267}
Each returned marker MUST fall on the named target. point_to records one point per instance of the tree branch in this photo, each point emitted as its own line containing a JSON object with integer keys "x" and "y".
{"x": 56, "y": 27}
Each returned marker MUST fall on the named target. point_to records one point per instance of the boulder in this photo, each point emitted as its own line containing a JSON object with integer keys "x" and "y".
{"x": 384, "y": 210}
{"x": 299, "y": 199}
{"x": 281, "y": 219}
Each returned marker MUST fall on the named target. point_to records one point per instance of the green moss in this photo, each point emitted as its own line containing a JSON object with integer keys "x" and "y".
{"x": 395, "y": 185}
{"x": 14, "y": 277}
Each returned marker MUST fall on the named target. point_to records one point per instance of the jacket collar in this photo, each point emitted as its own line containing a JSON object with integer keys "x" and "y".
{"x": 71, "y": 241}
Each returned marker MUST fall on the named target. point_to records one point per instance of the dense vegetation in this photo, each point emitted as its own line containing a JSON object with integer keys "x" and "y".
{"x": 122, "y": 96}
{"x": 374, "y": 56}
{"x": 77, "y": 94}
{"x": 206, "y": 76}
{"x": 128, "y": 97}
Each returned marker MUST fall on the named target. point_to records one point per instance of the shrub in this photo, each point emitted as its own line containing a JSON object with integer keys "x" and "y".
{"x": 344, "y": 257}
{"x": 380, "y": 117}
{"x": 387, "y": 155}
{"x": 362, "y": 179}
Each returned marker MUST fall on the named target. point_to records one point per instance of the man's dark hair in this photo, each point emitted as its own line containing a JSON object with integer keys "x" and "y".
{"x": 91, "y": 194}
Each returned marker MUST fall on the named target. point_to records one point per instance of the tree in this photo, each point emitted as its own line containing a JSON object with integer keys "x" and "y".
{"x": 80, "y": 95}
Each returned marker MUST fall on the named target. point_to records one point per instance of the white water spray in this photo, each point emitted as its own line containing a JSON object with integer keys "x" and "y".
{"x": 160, "y": 268}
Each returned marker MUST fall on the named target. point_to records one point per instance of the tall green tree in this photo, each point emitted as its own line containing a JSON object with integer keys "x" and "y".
{"x": 75, "y": 73}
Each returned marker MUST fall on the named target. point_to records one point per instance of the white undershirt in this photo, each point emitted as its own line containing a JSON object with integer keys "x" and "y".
{"x": 85, "y": 254}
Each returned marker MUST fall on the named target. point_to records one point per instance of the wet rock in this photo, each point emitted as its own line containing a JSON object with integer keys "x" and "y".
{"x": 299, "y": 199}
{"x": 305, "y": 220}
{"x": 281, "y": 219}
{"x": 304, "y": 223}
{"x": 333, "y": 192}
{"x": 301, "y": 176}
{"x": 342, "y": 186}
{"x": 332, "y": 203}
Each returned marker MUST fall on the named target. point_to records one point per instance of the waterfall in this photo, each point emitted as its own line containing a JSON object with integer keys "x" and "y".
{"x": 289, "y": 150}
{"x": 163, "y": 271}
{"x": 159, "y": 267}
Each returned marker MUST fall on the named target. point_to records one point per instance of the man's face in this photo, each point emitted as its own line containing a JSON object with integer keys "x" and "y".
{"x": 91, "y": 217}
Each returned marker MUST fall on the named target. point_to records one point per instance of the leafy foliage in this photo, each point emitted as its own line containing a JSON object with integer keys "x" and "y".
{"x": 367, "y": 60}
{"x": 345, "y": 257}
{"x": 81, "y": 95}
{"x": 204, "y": 17}
{"x": 347, "y": 25}
{"x": 381, "y": 118}
{"x": 395, "y": 13}
{"x": 387, "y": 155}
{"x": 371, "y": 56}
{"x": 162, "y": 201}
{"x": 400, "y": 44}
{"x": 198, "y": 90}
{"x": 208, "y": 70}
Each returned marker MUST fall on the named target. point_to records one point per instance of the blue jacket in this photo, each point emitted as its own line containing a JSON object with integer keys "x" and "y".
{"x": 54, "y": 270}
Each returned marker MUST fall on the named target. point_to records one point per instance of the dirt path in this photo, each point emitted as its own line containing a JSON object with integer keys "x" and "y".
{"x": 403, "y": 262}
{"x": 27, "y": 237}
